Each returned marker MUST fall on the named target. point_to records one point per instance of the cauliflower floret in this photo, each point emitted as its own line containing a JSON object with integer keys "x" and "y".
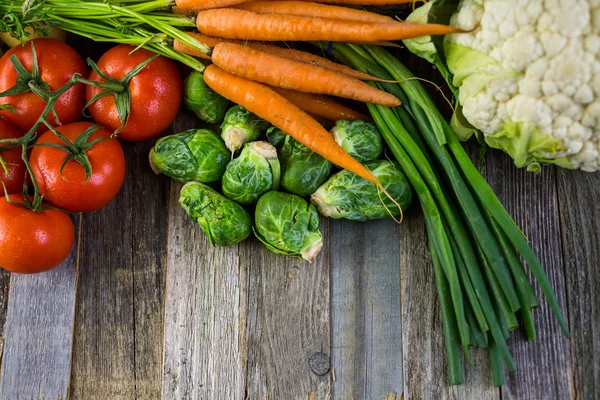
{"x": 537, "y": 69}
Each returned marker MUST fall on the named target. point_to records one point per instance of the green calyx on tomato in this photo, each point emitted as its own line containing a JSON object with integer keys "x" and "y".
{"x": 32, "y": 82}
{"x": 117, "y": 88}
{"x": 28, "y": 81}
{"x": 77, "y": 149}
{"x": 30, "y": 73}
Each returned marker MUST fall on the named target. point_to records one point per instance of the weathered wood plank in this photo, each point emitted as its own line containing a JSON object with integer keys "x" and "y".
{"x": 205, "y": 321}
{"x": 4, "y": 291}
{"x": 365, "y": 310}
{"x": 580, "y": 222}
{"x": 543, "y": 366}
{"x": 118, "y": 343}
{"x": 38, "y": 342}
{"x": 288, "y": 324}
{"x": 149, "y": 239}
{"x": 103, "y": 350}
{"x": 424, "y": 358}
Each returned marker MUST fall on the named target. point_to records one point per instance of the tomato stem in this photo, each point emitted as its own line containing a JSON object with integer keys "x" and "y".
{"x": 117, "y": 88}
{"x": 75, "y": 150}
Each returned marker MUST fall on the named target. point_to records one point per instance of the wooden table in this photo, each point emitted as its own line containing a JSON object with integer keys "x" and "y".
{"x": 145, "y": 309}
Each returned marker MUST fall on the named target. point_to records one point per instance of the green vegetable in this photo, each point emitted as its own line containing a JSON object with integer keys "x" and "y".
{"x": 303, "y": 170}
{"x": 208, "y": 105}
{"x": 346, "y": 195}
{"x": 140, "y": 23}
{"x": 255, "y": 172}
{"x": 478, "y": 247}
{"x": 288, "y": 225}
{"x": 194, "y": 155}
{"x": 360, "y": 139}
{"x": 240, "y": 126}
{"x": 276, "y": 137}
{"x": 223, "y": 221}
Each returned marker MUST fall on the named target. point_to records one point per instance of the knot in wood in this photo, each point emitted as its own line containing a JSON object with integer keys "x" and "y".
{"x": 319, "y": 364}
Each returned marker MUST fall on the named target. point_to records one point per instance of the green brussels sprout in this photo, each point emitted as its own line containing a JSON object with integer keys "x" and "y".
{"x": 288, "y": 225}
{"x": 346, "y": 195}
{"x": 194, "y": 155}
{"x": 240, "y": 126}
{"x": 276, "y": 137}
{"x": 207, "y": 104}
{"x": 223, "y": 221}
{"x": 303, "y": 170}
{"x": 253, "y": 173}
{"x": 360, "y": 139}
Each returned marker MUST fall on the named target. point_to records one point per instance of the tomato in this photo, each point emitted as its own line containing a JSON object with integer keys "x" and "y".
{"x": 71, "y": 191}
{"x": 13, "y": 161}
{"x": 57, "y": 63}
{"x": 32, "y": 241}
{"x": 156, "y": 93}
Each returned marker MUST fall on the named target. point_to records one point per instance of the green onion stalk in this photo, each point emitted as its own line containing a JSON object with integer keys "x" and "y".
{"x": 476, "y": 247}
{"x": 140, "y": 23}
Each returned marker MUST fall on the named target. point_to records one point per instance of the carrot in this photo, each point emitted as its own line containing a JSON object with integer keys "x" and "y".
{"x": 246, "y": 25}
{"x": 308, "y": 58}
{"x": 320, "y": 106}
{"x": 205, "y": 4}
{"x": 207, "y": 40}
{"x": 311, "y": 9}
{"x": 289, "y": 74}
{"x": 272, "y": 107}
{"x": 291, "y": 54}
{"x": 366, "y": 2}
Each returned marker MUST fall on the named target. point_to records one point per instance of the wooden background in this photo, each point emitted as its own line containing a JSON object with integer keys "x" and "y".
{"x": 144, "y": 308}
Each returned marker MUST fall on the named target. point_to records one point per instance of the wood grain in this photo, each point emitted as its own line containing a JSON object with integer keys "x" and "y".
{"x": 121, "y": 285}
{"x": 288, "y": 324}
{"x": 425, "y": 372}
{"x": 543, "y": 366}
{"x": 580, "y": 222}
{"x": 365, "y": 310}
{"x": 205, "y": 321}
{"x": 37, "y": 350}
{"x": 149, "y": 223}
{"x": 4, "y": 291}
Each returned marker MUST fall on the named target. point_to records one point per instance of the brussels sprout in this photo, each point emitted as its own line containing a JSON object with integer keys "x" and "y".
{"x": 223, "y": 221}
{"x": 276, "y": 137}
{"x": 207, "y": 104}
{"x": 303, "y": 170}
{"x": 288, "y": 225}
{"x": 346, "y": 195}
{"x": 193, "y": 155}
{"x": 254, "y": 172}
{"x": 360, "y": 139}
{"x": 240, "y": 126}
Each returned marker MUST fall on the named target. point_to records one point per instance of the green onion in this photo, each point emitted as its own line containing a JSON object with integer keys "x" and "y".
{"x": 475, "y": 245}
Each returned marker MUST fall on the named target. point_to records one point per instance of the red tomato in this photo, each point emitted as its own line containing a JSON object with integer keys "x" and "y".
{"x": 70, "y": 191}
{"x": 32, "y": 241}
{"x": 156, "y": 93}
{"x": 12, "y": 159}
{"x": 57, "y": 63}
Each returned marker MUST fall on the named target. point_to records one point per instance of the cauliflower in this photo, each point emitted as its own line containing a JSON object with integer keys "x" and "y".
{"x": 528, "y": 77}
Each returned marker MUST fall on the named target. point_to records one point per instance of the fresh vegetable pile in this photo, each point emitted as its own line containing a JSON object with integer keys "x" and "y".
{"x": 284, "y": 152}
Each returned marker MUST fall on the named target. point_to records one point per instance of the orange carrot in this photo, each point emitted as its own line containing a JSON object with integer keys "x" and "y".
{"x": 246, "y": 25}
{"x": 311, "y": 9}
{"x": 205, "y": 4}
{"x": 320, "y": 106}
{"x": 289, "y": 74}
{"x": 367, "y": 2}
{"x": 271, "y": 107}
{"x": 291, "y": 54}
